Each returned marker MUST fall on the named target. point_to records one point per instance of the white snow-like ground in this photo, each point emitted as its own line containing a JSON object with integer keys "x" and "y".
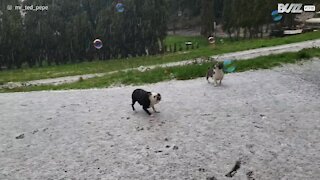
{"x": 268, "y": 119}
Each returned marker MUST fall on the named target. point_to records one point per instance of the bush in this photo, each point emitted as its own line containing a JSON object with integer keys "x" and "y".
{"x": 303, "y": 55}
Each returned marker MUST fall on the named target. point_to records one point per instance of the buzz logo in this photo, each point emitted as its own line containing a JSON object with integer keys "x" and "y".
{"x": 295, "y": 8}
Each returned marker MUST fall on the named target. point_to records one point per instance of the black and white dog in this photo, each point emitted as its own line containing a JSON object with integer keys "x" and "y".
{"x": 216, "y": 73}
{"x": 145, "y": 99}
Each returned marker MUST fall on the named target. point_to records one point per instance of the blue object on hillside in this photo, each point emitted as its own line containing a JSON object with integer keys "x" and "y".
{"x": 228, "y": 66}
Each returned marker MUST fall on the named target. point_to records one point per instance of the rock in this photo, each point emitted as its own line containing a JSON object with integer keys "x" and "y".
{"x": 139, "y": 128}
{"x": 35, "y": 131}
{"x": 250, "y": 175}
{"x": 143, "y": 68}
{"x": 175, "y": 148}
{"x": 21, "y": 136}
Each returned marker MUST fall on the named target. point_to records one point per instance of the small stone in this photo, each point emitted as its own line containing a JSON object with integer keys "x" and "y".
{"x": 166, "y": 139}
{"x": 128, "y": 117}
{"x": 167, "y": 146}
{"x": 175, "y": 147}
{"x": 21, "y": 136}
{"x": 139, "y": 128}
{"x": 35, "y": 131}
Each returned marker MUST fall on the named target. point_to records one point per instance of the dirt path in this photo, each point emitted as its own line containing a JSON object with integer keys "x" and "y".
{"x": 269, "y": 119}
{"x": 242, "y": 55}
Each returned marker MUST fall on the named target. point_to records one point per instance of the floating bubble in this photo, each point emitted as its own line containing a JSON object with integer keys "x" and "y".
{"x": 211, "y": 40}
{"x": 276, "y": 16}
{"x": 97, "y": 43}
{"x": 227, "y": 62}
{"x": 119, "y": 7}
{"x": 228, "y": 66}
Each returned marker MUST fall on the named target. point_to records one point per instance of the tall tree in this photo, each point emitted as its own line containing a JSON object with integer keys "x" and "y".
{"x": 207, "y": 17}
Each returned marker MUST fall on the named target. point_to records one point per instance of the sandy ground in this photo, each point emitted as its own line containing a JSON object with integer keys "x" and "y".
{"x": 241, "y": 55}
{"x": 267, "y": 119}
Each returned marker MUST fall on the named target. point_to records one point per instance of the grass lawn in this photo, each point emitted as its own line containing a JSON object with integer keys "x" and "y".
{"x": 205, "y": 49}
{"x": 179, "y": 72}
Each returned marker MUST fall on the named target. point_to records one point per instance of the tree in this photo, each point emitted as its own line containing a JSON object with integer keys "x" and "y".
{"x": 207, "y": 17}
{"x": 64, "y": 33}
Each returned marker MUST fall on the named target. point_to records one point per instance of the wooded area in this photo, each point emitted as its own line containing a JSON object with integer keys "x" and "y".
{"x": 65, "y": 32}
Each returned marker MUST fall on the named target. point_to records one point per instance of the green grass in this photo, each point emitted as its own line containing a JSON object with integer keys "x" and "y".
{"x": 119, "y": 64}
{"x": 179, "y": 72}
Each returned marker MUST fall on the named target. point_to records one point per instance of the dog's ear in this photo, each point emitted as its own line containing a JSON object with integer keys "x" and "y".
{"x": 220, "y": 65}
{"x": 158, "y": 96}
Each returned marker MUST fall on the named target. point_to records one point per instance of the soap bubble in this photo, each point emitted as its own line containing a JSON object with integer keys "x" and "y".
{"x": 97, "y": 43}
{"x": 228, "y": 66}
{"x": 276, "y": 16}
{"x": 119, "y": 7}
{"x": 211, "y": 39}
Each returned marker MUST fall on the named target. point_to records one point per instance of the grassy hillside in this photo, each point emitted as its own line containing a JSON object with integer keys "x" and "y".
{"x": 204, "y": 49}
{"x": 179, "y": 72}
